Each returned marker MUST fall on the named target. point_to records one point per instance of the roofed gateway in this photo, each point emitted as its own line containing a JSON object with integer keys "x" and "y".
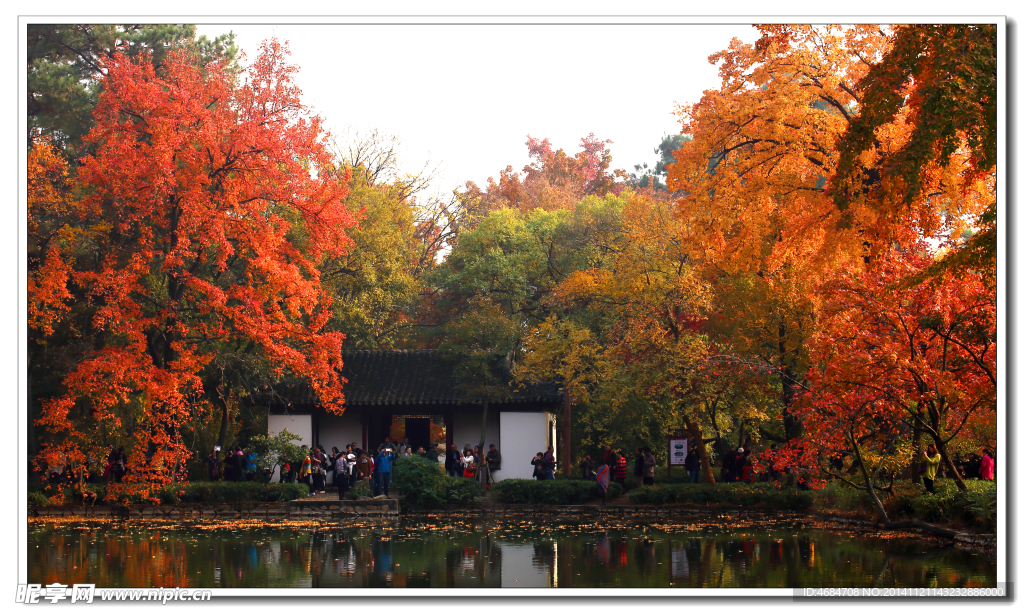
{"x": 418, "y": 394}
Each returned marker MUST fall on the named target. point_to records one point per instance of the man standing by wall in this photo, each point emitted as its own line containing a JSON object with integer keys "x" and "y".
{"x": 649, "y": 463}
{"x": 550, "y": 463}
{"x": 493, "y": 459}
{"x": 453, "y": 462}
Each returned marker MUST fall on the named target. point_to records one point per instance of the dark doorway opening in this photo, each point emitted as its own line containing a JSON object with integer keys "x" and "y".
{"x": 418, "y": 432}
{"x": 421, "y": 429}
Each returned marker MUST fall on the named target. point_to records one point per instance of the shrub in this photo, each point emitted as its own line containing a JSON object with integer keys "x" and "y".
{"x": 38, "y": 498}
{"x": 980, "y": 507}
{"x": 461, "y": 490}
{"x": 45, "y": 494}
{"x": 840, "y": 496}
{"x": 424, "y": 485}
{"x": 421, "y": 481}
{"x": 974, "y": 507}
{"x": 550, "y": 492}
{"x": 360, "y": 489}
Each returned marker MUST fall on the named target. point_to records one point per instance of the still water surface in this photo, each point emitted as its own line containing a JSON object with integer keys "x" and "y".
{"x": 711, "y": 552}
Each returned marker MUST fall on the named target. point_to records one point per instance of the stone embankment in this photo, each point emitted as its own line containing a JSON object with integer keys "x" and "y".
{"x": 586, "y": 512}
{"x": 298, "y": 509}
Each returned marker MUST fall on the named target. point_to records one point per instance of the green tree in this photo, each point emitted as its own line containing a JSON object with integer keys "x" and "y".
{"x": 65, "y": 61}
{"x": 374, "y": 283}
{"x": 645, "y": 176}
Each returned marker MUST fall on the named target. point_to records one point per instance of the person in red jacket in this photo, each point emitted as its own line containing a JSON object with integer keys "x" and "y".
{"x": 988, "y": 466}
{"x": 621, "y": 471}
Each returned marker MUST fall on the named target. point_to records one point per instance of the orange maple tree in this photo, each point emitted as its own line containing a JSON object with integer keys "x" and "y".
{"x": 758, "y": 207}
{"x": 766, "y": 144}
{"x": 205, "y": 208}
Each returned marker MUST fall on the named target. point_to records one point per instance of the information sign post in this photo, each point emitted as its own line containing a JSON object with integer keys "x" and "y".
{"x": 677, "y": 449}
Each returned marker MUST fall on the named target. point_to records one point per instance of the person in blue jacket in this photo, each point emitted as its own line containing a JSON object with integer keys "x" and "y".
{"x": 384, "y": 462}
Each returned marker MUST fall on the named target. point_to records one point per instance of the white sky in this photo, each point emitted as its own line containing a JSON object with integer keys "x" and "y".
{"x": 468, "y": 95}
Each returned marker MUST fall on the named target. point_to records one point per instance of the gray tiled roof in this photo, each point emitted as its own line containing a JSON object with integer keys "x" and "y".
{"x": 405, "y": 378}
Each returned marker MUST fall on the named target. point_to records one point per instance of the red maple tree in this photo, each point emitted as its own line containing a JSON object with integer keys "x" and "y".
{"x": 897, "y": 364}
{"x": 202, "y": 214}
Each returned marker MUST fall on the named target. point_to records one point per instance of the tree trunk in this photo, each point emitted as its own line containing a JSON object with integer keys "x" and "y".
{"x": 567, "y": 434}
{"x": 790, "y": 423}
{"x": 869, "y": 479}
{"x": 915, "y": 467}
{"x": 941, "y": 446}
{"x": 697, "y": 438}
{"x": 483, "y": 429}
{"x": 31, "y": 416}
{"x": 224, "y": 416}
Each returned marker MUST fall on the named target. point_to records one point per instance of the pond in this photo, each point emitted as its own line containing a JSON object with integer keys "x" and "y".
{"x": 382, "y": 553}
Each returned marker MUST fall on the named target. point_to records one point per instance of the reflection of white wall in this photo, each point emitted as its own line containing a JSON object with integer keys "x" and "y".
{"x": 298, "y": 424}
{"x": 517, "y": 567}
{"x": 523, "y": 434}
{"x": 340, "y": 430}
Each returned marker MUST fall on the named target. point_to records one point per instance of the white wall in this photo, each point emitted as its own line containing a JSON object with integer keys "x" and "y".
{"x": 340, "y": 430}
{"x": 298, "y": 424}
{"x": 466, "y": 430}
{"x": 523, "y": 434}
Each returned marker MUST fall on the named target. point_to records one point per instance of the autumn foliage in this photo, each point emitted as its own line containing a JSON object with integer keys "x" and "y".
{"x": 179, "y": 234}
{"x": 817, "y": 282}
{"x": 553, "y": 180}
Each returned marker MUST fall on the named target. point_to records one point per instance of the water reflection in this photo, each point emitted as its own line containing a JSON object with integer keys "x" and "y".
{"x": 412, "y": 554}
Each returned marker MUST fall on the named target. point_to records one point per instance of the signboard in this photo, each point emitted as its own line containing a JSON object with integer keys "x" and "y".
{"x": 677, "y": 448}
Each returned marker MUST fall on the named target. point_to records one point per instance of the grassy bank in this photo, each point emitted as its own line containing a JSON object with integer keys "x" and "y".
{"x": 973, "y": 509}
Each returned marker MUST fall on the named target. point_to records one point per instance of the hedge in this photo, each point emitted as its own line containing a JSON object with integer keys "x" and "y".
{"x": 232, "y": 492}
{"x": 550, "y": 492}
{"x": 41, "y": 494}
{"x": 193, "y": 492}
{"x": 733, "y": 494}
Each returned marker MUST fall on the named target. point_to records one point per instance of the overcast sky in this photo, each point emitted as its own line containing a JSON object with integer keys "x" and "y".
{"x": 468, "y": 95}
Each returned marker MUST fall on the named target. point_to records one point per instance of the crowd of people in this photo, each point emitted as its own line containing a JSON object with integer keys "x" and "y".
{"x": 612, "y": 467}
{"x": 472, "y": 463}
{"x": 342, "y": 469}
{"x": 236, "y": 466}
{"x": 737, "y": 465}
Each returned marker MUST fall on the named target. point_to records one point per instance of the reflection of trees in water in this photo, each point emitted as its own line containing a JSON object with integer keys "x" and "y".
{"x": 645, "y": 556}
{"x": 363, "y": 556}
{"x": 115, "y": 556}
